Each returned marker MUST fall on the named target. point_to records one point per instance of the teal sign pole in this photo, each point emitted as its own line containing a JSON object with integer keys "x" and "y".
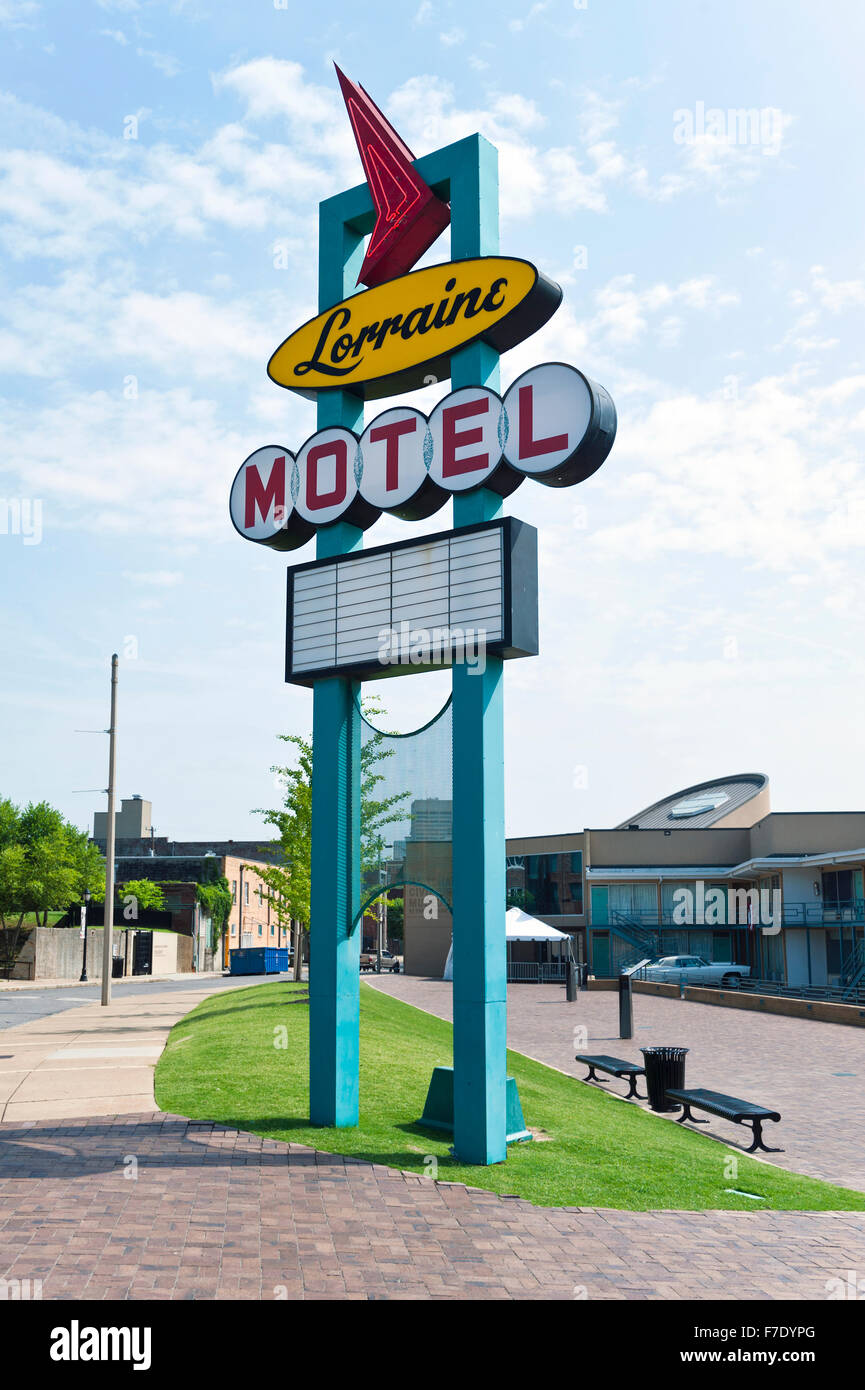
{"x": 466, "y": 175}
{"x": 479, "y": 960}
{"x": 334, "y": 970}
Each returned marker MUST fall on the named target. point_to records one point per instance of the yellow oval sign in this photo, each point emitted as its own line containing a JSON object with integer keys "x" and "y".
{"x": 388, "y": 339}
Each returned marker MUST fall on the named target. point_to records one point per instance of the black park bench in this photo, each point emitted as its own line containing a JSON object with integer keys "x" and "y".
{"x": 741, "y": 1112}
{"x": 616, "y": 1066}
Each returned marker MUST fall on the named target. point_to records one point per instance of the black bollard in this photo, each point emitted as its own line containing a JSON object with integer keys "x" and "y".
{"x": 626, "y": 1008}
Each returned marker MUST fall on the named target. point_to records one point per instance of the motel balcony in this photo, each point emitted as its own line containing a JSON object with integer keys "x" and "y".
{"x": 816, "y": 913}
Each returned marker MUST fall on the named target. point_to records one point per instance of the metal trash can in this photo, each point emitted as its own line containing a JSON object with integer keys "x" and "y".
{"x": 665, "y": 1070}
{"x": 117, "y": 967}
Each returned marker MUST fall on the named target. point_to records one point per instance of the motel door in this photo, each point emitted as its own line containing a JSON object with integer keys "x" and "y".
{"x": 600, "y": 953}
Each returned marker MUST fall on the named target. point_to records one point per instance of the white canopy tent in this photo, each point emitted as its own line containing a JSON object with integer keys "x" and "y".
{"x": 520, "y": 926}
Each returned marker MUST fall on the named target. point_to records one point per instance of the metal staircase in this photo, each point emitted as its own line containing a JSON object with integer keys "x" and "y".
{"x": 646, "y": 943}
{"x": 853, "y": 971}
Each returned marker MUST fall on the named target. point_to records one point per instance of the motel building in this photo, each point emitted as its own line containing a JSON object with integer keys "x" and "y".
{"x": 709, "y": 871}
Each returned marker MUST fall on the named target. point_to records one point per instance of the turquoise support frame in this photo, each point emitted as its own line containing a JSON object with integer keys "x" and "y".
{"x": 466, "y": 175}
{"x": 334, "y": 966}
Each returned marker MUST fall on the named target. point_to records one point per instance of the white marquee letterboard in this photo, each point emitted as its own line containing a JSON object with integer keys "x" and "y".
{"x": 414, "y": 605}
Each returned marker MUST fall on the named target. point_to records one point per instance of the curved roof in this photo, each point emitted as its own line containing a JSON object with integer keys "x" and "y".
{"x": 706, "y": 803}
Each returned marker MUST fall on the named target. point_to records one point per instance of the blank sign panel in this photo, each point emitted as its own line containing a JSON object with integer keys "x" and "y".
{"x": 415, "y": 605}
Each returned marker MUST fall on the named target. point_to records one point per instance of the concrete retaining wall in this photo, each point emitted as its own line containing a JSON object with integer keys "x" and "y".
{"x": 639, "y": 987}
{"x": 822, "y": 1010}
{"x": 52, "y": 953}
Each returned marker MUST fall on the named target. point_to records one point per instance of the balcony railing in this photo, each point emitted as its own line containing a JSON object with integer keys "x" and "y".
{"x": 836, "y": 994}
{"x": 811, "y": 914}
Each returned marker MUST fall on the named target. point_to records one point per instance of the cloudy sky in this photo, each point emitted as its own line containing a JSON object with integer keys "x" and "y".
{"x": 160, "y": 170}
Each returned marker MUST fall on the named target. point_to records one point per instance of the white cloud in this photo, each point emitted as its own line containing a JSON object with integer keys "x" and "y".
{"x": 165, "y": 63}
{"x": 517, "y": 25}
{"x": 836, "y": 296}
{"x": 18, "y": 14}
{"x": 55, "y": 331}
{"x": 622, "y": 312}
{"x": 768, "y": 478}
{"x": 160, "y": 464}
{"x": 277, "y": 86}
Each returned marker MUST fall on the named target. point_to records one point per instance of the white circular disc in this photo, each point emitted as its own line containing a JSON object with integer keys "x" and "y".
{"x": 326, "y": 481}
{"x": 466, "y": 438}
{"x": 547, "y": 410}
{"x": 392, "y": 453}
{"x": 260, "y": 500}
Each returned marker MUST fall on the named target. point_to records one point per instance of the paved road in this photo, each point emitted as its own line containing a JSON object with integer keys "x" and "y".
{"x": 24, "y": 1005}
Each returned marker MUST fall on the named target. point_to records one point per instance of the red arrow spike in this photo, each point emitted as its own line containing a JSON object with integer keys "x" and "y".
{"x": 409, "y": 215}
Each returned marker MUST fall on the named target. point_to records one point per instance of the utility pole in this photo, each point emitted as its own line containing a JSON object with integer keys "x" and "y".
{"x": 108, "y": 919}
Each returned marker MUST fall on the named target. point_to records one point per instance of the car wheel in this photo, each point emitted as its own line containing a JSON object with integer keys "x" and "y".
{"x": 730, "y": 981}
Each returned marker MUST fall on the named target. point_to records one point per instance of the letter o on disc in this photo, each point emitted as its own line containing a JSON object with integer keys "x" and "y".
{"x": 325, "y": 486}
{"x": 467, "y": 443}
{"x": 260, "y": 502}
{"x": 560, "y": 426}
{"x": 396, "y": 450}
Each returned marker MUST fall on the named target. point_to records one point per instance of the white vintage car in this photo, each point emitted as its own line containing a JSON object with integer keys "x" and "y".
{"x": 693, "y": 970}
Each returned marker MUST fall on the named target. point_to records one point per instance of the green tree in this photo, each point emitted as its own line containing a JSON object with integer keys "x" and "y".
{"x": 520, "y": 897}
{"x": 289, "y": 880}
{"x": 147, "y": 894}
{"x": 46, "y": 864}
{"x": 214, "y": 895}
{"x": 395, "y": 917}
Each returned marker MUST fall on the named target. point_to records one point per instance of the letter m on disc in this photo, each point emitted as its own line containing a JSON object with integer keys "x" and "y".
{"x": 409, "y": 216}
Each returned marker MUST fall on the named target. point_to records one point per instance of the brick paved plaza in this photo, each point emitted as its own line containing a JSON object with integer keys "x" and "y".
{"x": 813, "y": 1073}
{"x": 151, "y": 1206}
{"x": 217, "y": 1214}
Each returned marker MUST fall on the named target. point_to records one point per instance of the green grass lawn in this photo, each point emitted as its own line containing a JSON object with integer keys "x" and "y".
{"x": 30, "y": 919}
{"x": 221, "y": 1064}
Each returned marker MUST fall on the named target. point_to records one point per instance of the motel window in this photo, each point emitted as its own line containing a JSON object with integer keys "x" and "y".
{"x": 577, "y": 862}
{"x": 542, "y": 886}
{"x": 234, "y": 890}
{"x": 837, "y": 887}
{"x": 260, "y": 929}
{"x": 246, "y": 892}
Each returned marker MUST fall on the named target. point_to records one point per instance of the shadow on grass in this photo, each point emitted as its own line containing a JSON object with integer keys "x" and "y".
{"x": 238, "y": 1009}
{"x": 275, "y": 1127}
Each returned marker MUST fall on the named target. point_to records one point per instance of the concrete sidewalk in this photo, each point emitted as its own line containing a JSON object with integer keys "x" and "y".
{"x": 50, "y": 983}
{"x": 90, "y": 1060}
